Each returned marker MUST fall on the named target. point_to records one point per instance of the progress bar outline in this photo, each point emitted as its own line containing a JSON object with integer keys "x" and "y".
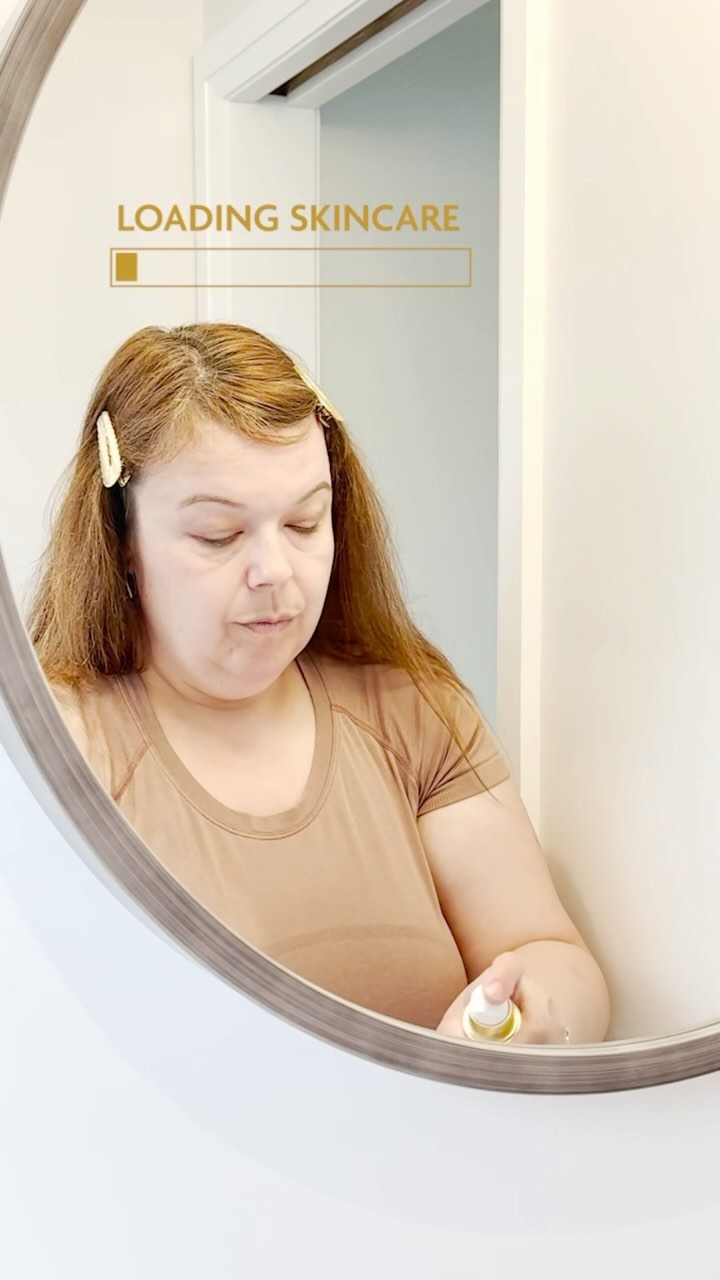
{"x": 117, "y": 250}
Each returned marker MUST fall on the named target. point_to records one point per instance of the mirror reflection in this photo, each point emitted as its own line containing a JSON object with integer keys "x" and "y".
{"x": 267, "y": 608}
{"x": 221, "y": 623}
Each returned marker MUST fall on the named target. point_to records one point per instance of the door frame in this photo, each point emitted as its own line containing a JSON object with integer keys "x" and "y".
{"x": 237, "y": 68}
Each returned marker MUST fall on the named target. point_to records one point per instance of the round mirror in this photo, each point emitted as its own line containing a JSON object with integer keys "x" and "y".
{"x": 262, "y": 600}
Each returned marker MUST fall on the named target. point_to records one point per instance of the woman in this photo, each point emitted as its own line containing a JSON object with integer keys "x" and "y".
{"x": 220, "y": 624}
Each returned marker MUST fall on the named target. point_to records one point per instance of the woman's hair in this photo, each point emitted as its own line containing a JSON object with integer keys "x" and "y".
{"x": 156, "y": 387}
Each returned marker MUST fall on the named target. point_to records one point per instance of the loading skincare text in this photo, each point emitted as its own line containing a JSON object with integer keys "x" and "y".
{"x": 301, "y": 217}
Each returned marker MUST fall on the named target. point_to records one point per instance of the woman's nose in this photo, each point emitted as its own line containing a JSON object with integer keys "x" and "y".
{"x": 269, "y": 566}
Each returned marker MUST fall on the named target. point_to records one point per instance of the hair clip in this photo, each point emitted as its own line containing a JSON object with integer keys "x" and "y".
{"x": 323, "y": 409}
{"x": 111, "y": 464}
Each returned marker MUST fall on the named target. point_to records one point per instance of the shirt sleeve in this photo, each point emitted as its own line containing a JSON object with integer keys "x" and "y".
{"x": 444, "y": 775}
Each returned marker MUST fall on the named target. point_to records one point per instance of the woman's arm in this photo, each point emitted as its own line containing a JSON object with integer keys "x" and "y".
{"x": 498, "y": 897}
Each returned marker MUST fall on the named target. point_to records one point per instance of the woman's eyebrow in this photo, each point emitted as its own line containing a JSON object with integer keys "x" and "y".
{"x": 230, "y": 502}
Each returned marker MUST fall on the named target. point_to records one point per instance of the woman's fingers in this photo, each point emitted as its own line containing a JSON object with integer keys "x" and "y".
{"x": 505, "y": 979}
{"x": 540, "y": 1020}
{"x": 501, "y": 979}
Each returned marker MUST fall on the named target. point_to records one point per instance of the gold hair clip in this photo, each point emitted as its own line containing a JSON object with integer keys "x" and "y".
{"x": 324, "y": 406}
{"x": 111, "y": 464}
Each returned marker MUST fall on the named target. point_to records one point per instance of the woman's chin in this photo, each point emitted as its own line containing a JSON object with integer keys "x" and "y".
{"x": 246, "y": 676}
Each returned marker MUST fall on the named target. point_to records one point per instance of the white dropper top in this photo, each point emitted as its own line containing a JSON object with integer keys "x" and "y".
{"x": 487, "y": 1012}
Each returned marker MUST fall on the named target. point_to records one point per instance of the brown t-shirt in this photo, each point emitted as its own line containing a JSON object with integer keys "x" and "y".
{"x": 337, "y": 889}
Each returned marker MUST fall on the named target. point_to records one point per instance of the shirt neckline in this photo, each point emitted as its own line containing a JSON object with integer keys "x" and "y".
{"x": 274, "y": 824}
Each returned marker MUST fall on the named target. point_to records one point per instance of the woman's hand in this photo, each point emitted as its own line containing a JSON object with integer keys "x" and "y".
{"x": 505, "y": 979}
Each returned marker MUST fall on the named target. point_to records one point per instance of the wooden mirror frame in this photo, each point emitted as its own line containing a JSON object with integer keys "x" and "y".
{"x": 123, "y": 860}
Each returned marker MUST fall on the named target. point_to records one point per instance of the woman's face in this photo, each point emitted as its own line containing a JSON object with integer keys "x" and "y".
{"x": 228, "y": 531}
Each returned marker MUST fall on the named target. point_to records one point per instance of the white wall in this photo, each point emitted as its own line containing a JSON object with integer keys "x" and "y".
{"x": 217, "y": 14}
{"x": 631, "y": 604}
{"x": 416, "y": 370}
{"x": 112, "y": 125}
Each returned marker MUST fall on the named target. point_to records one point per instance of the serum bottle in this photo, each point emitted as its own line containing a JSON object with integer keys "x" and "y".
{"x": 484, "y": 1019}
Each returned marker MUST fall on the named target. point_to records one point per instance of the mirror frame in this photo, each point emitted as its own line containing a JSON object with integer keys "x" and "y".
{"x": 121, "y": 859}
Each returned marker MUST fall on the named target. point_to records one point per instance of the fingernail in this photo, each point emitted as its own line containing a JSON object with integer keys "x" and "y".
{"x": 493, "y": 991}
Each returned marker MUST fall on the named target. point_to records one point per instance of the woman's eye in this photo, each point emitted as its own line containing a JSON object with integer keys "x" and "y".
{"x": 225, "y": 542}
{"x": 216, "y": 542}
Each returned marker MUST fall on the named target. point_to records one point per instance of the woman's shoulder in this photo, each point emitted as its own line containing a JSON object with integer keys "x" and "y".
{"x": 85, "y": 696}
{"x": 367, "y": 689}
{"x": 388, "y": 699}
{"x": 391, "y": 704}
{"x": 97, "y": 717}
{"x": 70, "y": 700}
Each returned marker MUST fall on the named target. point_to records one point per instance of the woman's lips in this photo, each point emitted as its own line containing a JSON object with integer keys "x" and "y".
{"x": 266, "y": 627}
